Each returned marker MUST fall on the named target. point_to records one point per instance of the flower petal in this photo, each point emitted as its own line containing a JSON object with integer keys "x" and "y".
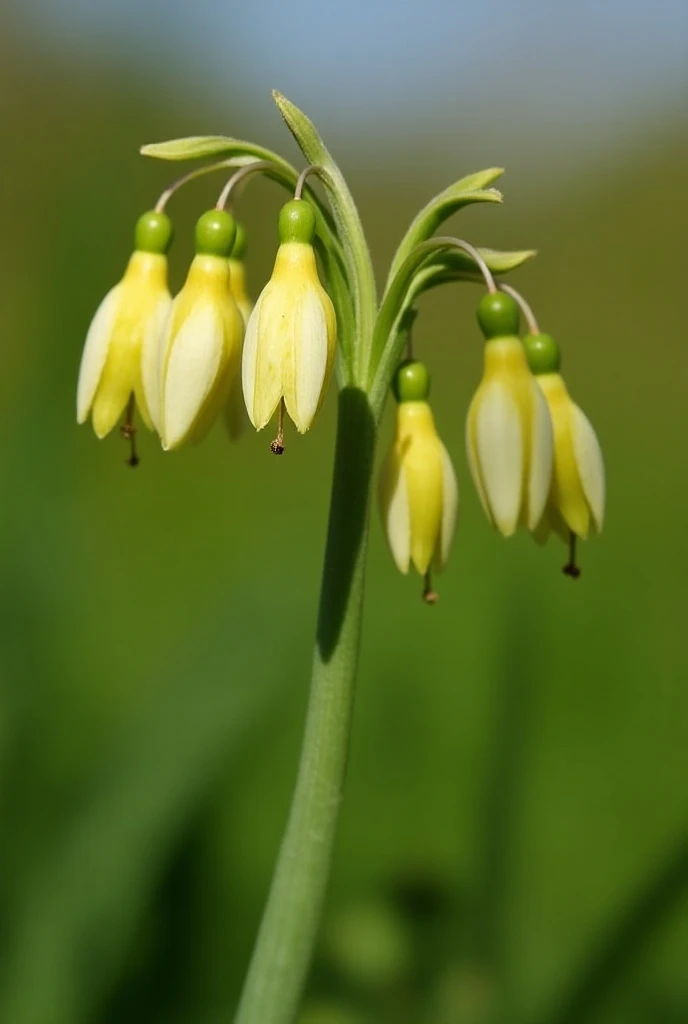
{"x": 394, "y": 509}
{"x": 450, "y": 504}
{"x": 192, "y": 368}
{"x": 268, "y": 336}
{"x": 304, "y": 387}
{"x": 588, "y": 455}
{"x": 499, "y": 454}
{"x": 150, "y": 360}
{"x": 541, "y": 458}
{"x": 95, "y": 352}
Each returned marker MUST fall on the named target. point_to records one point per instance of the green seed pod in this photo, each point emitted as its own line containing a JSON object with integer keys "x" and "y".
{"x": 411, "y": 382}
{"x": 215, "y": 233}
{"x": 498, "y": 315}
{"x": 542, "y": 353}
{"x": 239, "y": 248}
{"x": 153, "y": 232}
{"x": 296, "y": 222}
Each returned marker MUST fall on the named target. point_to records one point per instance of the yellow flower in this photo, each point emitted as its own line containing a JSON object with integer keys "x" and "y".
{"x": 199, "y": 356}
{"x": 418, "y": 494}
{"x": 577, "y": 496}
{"x": 509, "y": 431}
{"x": 291, "y": 334}
{"x": 121, "y": 350}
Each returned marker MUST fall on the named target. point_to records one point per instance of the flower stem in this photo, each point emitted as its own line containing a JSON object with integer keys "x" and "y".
{"x": 291, "y": 919}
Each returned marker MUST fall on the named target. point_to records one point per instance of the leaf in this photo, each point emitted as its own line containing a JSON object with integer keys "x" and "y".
{"x": 468, "y": 190}
{"x": 198, "y": 147}
{"x": 458, "y": 266}
{"x": 431, "y": 263}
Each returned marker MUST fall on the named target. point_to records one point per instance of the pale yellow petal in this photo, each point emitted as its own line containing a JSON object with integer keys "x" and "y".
{"x": 473, "y": 459}
{"x": 268, "y": 336}
{"x": 303, "y": 386}
{"x": 150, "y": 358}
{"x": 450, "y": 504}
{"x": 499, "y": 454}
{"x": 191, "y": 373}
{"x": 541, "y": 458}
{"x": 95, "y": 352}
{"x": 394, "y": 509}
{"x": 590, "y": 464}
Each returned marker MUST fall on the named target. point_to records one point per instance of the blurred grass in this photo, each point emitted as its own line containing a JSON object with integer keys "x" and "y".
{"x": 519, "y": 754}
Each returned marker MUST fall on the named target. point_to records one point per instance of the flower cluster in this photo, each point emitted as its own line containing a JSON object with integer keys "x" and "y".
{"x": 208, "y": 354}
{"x": 533, "y": 455}
{"x": 177, "y": 360}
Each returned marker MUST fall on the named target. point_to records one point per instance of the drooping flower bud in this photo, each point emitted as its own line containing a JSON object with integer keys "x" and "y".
{"x": 291, "y": 334}
{"x": 576, "y": 500}
{"x": 201, "y": 347}
{"x": 418, "y": 493}
{"x": 121, "y": 351}
{"x": 508, "y": 431}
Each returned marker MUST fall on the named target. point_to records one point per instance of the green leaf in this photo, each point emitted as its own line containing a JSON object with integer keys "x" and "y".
{"x": 198, "y": 147}
{"x": 431, "y": 263}
{"x": 349, "y": 229}
{"x": 468, "y": 190}
{"x": 458, "y": 266}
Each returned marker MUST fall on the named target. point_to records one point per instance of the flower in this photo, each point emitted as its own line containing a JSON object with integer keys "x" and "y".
{"x": 575, "y": 505}
{"x": 199, "y": 355}
{"x": 509, "y": 431}
{"x": 292, "y": 332}
{"x": 120, "y": 354}
{"x": 418, "y": 494}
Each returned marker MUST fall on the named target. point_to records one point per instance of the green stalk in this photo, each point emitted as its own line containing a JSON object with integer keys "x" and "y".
{"x": 288, "y": 931}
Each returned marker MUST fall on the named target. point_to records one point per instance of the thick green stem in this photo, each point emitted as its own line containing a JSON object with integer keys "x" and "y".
{"x": 289, "y": 928}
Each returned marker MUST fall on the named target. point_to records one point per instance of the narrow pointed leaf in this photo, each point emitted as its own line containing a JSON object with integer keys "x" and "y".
{"x": 471, "y": 189}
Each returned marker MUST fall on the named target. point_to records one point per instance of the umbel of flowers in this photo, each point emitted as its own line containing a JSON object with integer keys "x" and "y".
{"x": 181, "y": 364}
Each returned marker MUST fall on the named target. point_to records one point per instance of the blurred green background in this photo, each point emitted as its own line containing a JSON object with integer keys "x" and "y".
{"x": 513, "y": 843}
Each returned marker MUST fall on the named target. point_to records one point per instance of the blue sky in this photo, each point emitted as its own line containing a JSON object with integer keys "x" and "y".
{"x": 547, "y": 70}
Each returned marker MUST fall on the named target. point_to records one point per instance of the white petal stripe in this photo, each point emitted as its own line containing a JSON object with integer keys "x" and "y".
{"x": 499, "y": 454}
{"x": 310, "y": 358}
{"x": 588, "y": 454}
{"x": 95, "y": 352}
{"x": 191, "y": 372}
{"x": 450, "y": 504}
{"x": 541, "y": 458}
{"x": 249, "y": 361}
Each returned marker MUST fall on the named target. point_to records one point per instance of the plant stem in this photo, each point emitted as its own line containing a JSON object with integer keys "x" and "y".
{"x": 291, "y": 919}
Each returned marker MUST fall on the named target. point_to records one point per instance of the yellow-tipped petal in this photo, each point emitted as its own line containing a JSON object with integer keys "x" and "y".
{"x": 498, "y": 434}
{"x": 394, "y": 509}
{"x": 420, "y": 452}
{"x": 450, "y": 504}
{"x": 267, "y": 338}
{"x": 95, "y": 352}
{"x": 149, "y": 395}
{"x": 306, "y": 377}
{"x": 192, "y": 369}
{"x": 541, "y": 458}
{"x": 590, "y": 464}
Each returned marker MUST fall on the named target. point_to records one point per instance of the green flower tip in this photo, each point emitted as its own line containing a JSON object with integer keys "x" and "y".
{"x": 498, "y": 315}
{"x": 411, "y": 382}
{"x": 153, "y": 232}
{"x": 215, "y": 233}
{"x": 239, "y": 247}
{"x": 542, "y": 353}
{"x": 296, "y": 222}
